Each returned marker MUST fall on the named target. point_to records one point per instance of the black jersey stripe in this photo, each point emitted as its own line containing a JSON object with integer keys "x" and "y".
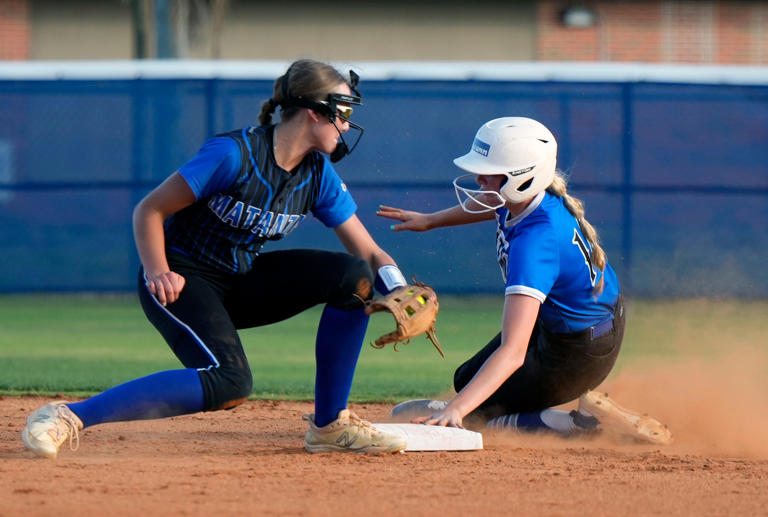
{"x": 265, "y": 202}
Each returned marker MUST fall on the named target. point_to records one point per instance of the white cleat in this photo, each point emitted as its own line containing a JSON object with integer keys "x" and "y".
{"x": 49, "y": 427}
{"x": 410, "y": 409}
{"x": 618, "y": 420}
{"x": 350, "y": 433}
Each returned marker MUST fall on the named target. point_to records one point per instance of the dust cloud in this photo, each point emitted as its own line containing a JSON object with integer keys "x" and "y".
{"x": 714, "y": 405}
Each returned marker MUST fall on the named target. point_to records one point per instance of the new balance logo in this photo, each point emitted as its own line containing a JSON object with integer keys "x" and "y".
{"x": 345, "y": 440}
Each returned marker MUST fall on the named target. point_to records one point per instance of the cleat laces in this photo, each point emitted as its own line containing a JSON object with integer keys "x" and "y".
{"x": 364, "y": 426}
{"x": 65, "y": 423}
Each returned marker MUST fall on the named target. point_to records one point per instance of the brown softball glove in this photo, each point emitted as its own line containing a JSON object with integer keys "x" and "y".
{"x": 414, "y": 308}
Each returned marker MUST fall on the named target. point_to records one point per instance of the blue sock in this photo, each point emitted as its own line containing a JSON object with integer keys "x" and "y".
{"x": 339, "y": 340}
{"x": 160, "y": 395}
{"x": 547, "y": 419}
{"x": 531, "y": 421}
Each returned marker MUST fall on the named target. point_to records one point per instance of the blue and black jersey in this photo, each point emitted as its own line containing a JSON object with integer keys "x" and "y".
{"x": 543, "y": 254}
{"x": 243, "y": 199}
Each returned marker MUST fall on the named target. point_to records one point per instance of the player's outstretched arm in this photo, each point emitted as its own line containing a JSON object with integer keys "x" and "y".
{"x": 420, "y": 222}
{"x": 520, "y": 313}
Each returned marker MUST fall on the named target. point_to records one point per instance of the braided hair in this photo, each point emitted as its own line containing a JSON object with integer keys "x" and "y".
{"x": 576, "y": 208}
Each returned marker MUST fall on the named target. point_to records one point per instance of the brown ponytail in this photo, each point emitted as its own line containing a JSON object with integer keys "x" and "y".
{"x": 267, "y": 108}
{"x": 307, "y": 78}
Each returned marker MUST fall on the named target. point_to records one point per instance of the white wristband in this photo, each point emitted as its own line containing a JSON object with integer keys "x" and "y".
{"x": 392, "y": 277}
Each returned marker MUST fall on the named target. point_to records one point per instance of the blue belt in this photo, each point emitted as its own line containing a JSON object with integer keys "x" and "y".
{"x": 601, "y": 328}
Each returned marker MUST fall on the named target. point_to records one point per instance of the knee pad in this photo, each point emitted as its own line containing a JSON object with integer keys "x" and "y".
{"x": 356, "y": 286}
{"x": 225, "y": 387}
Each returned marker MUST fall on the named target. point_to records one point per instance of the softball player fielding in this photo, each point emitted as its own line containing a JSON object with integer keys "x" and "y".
{"x": 200, "y": 236}
{"x": 563, "y": 317}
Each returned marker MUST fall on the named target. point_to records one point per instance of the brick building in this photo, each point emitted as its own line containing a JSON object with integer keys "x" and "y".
{"x": 655, "y": 31}
{"x": 711, "y": 32}
{"x": 14, "y": 30}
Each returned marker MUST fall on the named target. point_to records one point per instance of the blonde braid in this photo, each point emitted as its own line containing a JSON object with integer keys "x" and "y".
{"x": 576, "y": 208}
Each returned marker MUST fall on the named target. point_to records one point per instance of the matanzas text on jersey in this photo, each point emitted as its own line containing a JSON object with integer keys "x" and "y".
{"x": 250, "y": 218}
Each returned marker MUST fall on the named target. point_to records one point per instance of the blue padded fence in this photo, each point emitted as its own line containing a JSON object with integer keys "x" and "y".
{"x": 673, "y": 175}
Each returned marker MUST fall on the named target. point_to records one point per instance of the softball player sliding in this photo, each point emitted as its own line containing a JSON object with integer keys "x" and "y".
{"x": 563, "y": 318}
{"x": 199, "y": 236}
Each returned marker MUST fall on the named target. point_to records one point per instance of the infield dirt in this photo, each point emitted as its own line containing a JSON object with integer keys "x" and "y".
{"x": 250, "y": 461}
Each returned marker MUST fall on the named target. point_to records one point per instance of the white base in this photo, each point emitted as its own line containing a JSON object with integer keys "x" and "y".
{"x": 422, "y": 437}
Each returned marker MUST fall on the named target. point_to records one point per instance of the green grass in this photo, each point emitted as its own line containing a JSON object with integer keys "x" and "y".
{"x": 77, "y": 345}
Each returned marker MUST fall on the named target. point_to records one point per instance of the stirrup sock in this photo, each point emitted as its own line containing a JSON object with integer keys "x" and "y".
{"x": 548, "y": 419}
{"x": 339, "y": 340}
{"x": 160, "y": 395}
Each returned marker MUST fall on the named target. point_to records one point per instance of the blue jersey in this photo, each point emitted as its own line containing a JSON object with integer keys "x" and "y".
{"x": 243, "y": 199}
{"x": 543, "y": 254}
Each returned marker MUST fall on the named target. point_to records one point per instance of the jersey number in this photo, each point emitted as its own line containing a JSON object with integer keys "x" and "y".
{"x": 578, "y": 241}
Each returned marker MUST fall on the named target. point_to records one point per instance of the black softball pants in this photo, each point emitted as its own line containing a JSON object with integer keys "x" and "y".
{"x": 201, "y": 326}
{"x": 558, "y": 368}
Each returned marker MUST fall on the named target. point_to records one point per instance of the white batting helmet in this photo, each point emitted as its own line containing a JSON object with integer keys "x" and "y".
{"x": 521, "y": 149}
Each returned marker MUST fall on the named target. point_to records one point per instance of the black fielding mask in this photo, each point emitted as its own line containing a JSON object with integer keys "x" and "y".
{"x": 341, "y": 150}
{"x": 328, "y": 107}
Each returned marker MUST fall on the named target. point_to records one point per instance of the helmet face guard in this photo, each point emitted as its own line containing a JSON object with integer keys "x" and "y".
{"x": 476, "y": 201}
{"x": 335, "y": 105}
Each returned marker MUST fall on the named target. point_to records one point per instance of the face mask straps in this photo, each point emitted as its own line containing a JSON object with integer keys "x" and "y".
{"x": 330, "y": 109}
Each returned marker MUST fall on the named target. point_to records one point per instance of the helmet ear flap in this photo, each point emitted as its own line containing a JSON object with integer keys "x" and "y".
{"x": 525, "y": 185}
